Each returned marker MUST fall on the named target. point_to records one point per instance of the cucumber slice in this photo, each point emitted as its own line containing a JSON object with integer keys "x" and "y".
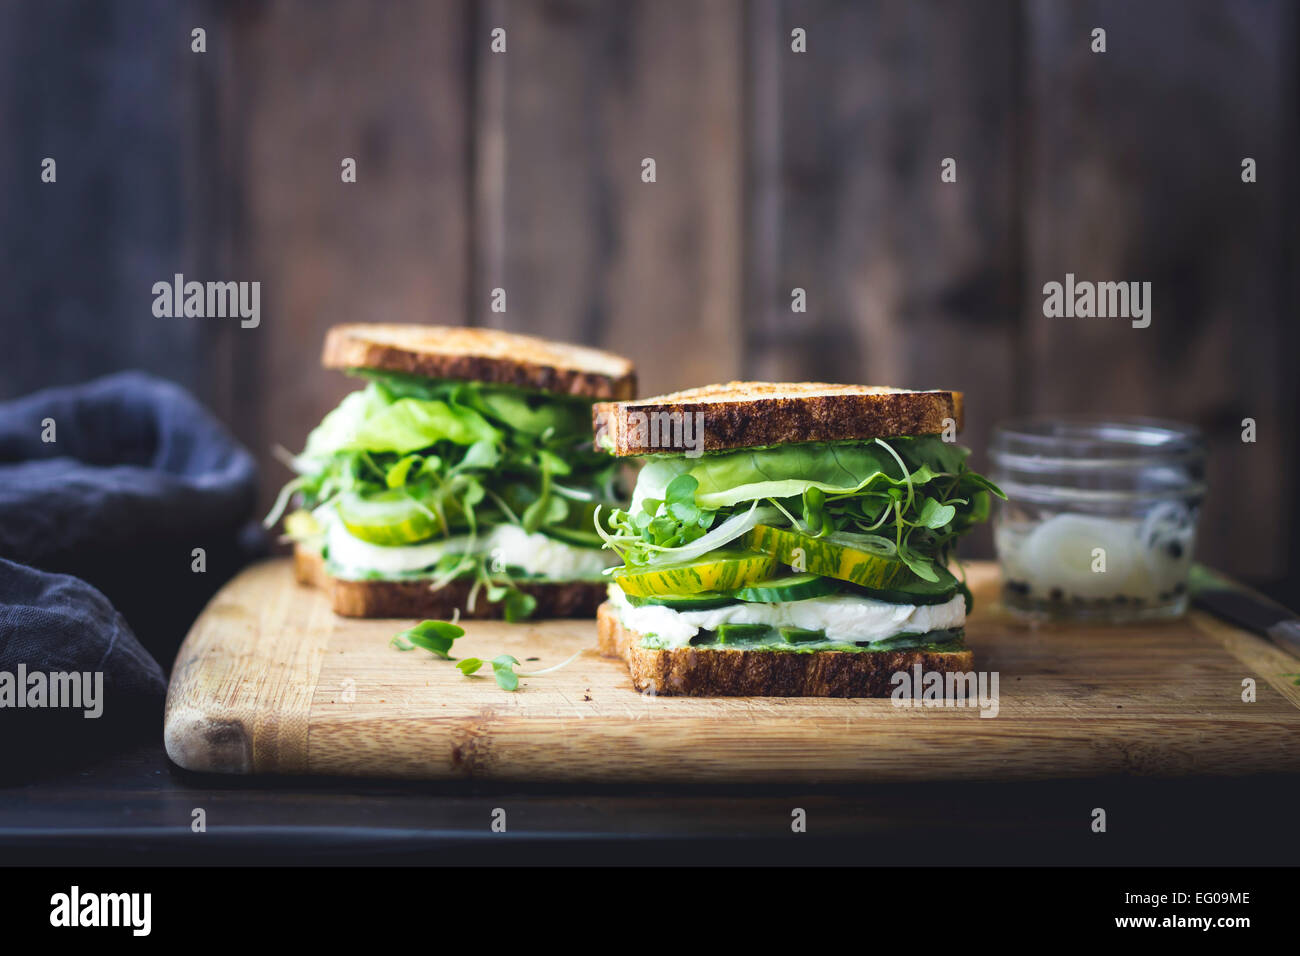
{"x": 800, "y": 635}
{"x": 743, "y": 633}
{"x": 926, "y": 592}
{"x": 887, "y": 579}
{"x": 388, "y": 518}
{"x": 716, "y": 571}
{"x": 907, "y": 641}
{"x": 792, "y": 587}
{"x": 703, "y": 601}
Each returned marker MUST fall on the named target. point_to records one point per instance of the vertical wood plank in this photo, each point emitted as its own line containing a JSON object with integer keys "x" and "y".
{"x": 910, "y": 281}
{"x": 487, "y": 226}
{"x": 387, "y": 85}
{"x": 588, "y": 251}
{"x": 674, "y": 280}
{"x": 539, "y": 196}
{"x": 1135, "y": 175}
{"x": 217, "y": 242}
{"x": 92, "y": 86}
{"x": 764, "y": 302}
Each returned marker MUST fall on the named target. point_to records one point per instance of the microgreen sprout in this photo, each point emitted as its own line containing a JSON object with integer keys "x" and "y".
{"x": 437, "y": 637}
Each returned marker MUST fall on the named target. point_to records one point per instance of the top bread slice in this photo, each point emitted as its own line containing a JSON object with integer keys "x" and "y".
{"x": 481, "y": 355}
{"x": 755, "y": 414}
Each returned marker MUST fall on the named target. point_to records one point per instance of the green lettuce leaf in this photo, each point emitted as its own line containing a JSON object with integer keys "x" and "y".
{"x": 410, "y": 424}
{"x": 339, "y": 427}
{"x": 790, "y": 470}
{"x": 562, "y": 417}
{"x": 368, "y": 421}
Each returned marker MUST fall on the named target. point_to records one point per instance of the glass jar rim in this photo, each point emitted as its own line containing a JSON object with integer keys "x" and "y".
{"x": 1092, "y": 443}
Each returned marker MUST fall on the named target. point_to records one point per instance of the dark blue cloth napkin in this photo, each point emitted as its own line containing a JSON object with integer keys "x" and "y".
{"x": 55, "y": 623}
{"x": 105, "y": 519}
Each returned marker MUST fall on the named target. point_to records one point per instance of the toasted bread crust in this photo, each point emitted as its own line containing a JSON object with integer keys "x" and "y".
{"x": 481, "y": 355}
{"x": 415, "y": 599}
{"x": 716, "y": 672}
{"x": 751, "y": 414}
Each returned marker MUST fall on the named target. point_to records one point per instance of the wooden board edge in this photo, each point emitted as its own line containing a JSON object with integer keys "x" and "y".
{"x": 634, "y": 756}
{"x": 221, "y": 727}
{"x": 205, "y": 742}
{"x": 1260, "y": 656}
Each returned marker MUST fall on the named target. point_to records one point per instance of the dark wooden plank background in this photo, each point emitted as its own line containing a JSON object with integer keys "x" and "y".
{"x": 775, "y": 170}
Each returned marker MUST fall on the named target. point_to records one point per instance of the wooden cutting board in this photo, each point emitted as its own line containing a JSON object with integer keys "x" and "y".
{"x": 269, "y": 680}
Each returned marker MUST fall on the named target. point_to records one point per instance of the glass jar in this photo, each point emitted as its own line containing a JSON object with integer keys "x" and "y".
{"x": 1100, "y": 517}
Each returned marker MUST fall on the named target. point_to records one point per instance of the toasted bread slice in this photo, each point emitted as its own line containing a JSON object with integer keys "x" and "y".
{"x": 752, "y": 414}
{"x": 729, "y": 672}
{"x": 414, "y": 598}
{"x": 481, "y": 355}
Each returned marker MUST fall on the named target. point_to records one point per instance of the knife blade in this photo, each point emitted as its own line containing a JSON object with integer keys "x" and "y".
{"x": 1244, "y": 607}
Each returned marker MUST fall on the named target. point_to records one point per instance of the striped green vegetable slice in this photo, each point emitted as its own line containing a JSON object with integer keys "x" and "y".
{"x": 717, "y": 571}
{"x": 886, "y": 578}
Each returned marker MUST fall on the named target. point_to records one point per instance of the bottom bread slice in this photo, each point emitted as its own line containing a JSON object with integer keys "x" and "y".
{"x": 732, "y": 672}
{"x": 414, "y": 598}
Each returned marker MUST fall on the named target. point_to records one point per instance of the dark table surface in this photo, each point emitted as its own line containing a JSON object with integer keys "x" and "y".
{"x": 129, "y": 805}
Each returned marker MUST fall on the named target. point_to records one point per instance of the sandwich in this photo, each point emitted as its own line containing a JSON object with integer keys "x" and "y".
{"x": 788, "y": 540}
{"x": 459, "y": 479}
